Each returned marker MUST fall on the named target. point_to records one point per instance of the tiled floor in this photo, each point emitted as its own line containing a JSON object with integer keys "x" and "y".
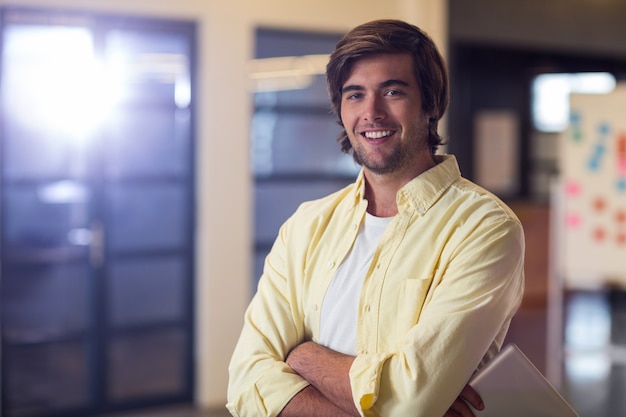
{"x": 594, "y": 371}
{"x": 174, "y": 411}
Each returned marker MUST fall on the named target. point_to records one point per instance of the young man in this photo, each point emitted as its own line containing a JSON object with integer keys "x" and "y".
{"x": 383, "y": 298}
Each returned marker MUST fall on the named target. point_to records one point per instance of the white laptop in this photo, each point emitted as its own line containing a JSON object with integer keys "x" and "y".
{"x": 510, "y": 385}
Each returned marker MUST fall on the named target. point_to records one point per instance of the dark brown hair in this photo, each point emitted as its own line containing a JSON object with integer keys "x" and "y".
{"x": 388, "y": 37}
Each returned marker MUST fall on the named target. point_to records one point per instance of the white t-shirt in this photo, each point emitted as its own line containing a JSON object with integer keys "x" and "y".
{"x": 340, "y": 309}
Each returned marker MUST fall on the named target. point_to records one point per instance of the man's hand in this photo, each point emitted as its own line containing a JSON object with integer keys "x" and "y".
{"x": 460, "y": 407}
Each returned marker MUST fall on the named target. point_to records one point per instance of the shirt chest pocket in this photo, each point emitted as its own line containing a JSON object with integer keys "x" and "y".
{"x": 410, "y": 303}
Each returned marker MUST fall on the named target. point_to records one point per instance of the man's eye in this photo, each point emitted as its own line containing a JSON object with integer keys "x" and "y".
{"x": 393, "y": 93}
{"x": 354, "y": 96}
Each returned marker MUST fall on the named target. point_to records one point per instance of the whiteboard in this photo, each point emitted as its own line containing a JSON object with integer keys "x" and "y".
{"x": 592, "y": 161}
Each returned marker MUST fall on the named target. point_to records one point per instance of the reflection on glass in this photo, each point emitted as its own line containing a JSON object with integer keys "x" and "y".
{"x": 588, "y": 336}
{"x": 63, "y": 192}
{"x": 41, "y": 216}
{"x": 293, "y": 143}
{"x": 285, "y": 72}
{"x": 550, "y": 105}
{"x": 134, "y": 59}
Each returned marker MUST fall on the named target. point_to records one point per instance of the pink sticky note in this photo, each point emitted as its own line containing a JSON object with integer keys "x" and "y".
{"x": 573, "y": 220}
{"x": 572, "y": 188}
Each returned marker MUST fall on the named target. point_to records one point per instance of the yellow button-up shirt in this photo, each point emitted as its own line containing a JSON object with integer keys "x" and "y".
{"x": 437, "y": 301}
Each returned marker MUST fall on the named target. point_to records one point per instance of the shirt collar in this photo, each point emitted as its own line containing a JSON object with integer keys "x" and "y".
{"x": 425, "y": 189}
{"x": 422, "y": 191}
{"x": 360, "y": 187}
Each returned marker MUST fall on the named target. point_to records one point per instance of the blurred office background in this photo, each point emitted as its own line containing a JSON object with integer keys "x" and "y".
{"x": 150, "y": 150}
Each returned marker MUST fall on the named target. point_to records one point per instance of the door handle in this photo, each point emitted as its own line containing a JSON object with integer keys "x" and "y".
{"x": 96, "y": 245}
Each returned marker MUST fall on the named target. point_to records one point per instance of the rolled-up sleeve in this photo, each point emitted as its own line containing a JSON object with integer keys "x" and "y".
{"x": 473, "y": 295}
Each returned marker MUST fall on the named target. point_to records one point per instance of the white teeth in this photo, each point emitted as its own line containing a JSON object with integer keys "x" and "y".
{"x": 377, "y": 135}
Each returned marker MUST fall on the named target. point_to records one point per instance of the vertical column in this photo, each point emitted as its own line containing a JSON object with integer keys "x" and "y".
{"x": 432, "y": 16}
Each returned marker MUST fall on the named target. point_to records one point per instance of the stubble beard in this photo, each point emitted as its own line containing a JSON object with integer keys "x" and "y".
{"x": 381, "y": 162}
{"x": 384, "y": 164}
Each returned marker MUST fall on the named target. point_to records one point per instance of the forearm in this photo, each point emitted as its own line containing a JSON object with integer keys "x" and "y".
{"x": 311, "y": 403}
{"x": 327, "y": 371}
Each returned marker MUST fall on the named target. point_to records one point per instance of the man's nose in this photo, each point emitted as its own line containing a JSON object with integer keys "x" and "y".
{"x": 374, "y": 109}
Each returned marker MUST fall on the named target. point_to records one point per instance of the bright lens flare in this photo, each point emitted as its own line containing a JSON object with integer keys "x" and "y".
{"x": 55, "y": 83}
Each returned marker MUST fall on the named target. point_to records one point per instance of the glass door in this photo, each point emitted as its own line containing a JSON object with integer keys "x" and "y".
{"x": 96, "y": 188}
{"x": 295, "y": 156}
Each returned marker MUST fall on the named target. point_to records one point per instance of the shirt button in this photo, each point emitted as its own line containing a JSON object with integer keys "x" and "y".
{"x": 421, "y": 210}
{"x": 331, "y": 264}
{"x": 314, "y": 307}
{"x": 367, "y": 307}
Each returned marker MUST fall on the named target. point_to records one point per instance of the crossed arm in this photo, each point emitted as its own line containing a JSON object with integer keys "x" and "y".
{"x": 327, "y": 372}
{"x": 467, "y": 315}
{"x": 330, "y": 393}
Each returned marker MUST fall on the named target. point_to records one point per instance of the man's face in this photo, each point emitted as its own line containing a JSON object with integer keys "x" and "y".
{"x": 381, "y": 110}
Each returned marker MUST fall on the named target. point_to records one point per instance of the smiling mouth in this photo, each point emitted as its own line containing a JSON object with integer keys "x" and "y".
{"x": 378, "y": 134}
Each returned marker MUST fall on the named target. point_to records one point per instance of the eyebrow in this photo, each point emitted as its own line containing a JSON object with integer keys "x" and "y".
{"x": 384, "y": 84}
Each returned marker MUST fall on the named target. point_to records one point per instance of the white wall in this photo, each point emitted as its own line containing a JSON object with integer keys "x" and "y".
{"x": 224, "y": 205}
